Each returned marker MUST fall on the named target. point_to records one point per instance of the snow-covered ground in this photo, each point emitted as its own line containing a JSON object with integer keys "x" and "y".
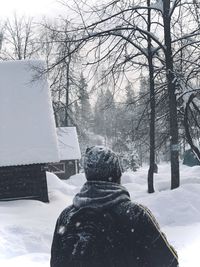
{"x": 26, "y": 226}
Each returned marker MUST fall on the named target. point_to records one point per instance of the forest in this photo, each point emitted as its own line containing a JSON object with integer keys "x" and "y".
{"x": 125, "y": 73}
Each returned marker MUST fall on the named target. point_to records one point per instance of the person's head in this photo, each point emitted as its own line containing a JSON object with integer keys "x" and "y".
{"x": 102, "y": 164}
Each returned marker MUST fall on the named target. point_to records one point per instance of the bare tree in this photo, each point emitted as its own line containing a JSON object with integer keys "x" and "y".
{"x": 19, "y": 39}
{"x": 63, "y": 76}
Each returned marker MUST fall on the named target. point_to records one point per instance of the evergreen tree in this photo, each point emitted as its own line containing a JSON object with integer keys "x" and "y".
{"x": 104, "y": 115}
{"x": 130, "y": 95}
{"x": 84, "y": 105}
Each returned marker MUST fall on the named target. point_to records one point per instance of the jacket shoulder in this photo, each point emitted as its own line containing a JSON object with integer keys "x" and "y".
{"x": 63, "y": 217}
{"x": 129, "y": 209}
{"x": 139, "y": 212}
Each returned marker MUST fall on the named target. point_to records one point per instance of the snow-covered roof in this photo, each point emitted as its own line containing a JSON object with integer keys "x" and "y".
{"x": 68, "y": 143}
{"x": 27, "y": 126}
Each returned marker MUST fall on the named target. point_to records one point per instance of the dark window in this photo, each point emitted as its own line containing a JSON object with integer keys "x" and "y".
{"x": 57, "y": 168}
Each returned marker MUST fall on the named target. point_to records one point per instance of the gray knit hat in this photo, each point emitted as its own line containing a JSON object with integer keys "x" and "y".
{"x": 102, "y": 164}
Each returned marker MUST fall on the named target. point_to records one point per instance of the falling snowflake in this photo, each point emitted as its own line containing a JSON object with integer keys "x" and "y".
{"x": 78, "y": 224}
{"x": 61, "y": 230}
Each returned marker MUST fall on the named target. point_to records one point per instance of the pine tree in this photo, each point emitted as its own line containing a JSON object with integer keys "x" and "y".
{"x": 85, "y": 106}
{"x": 104, "y": 115}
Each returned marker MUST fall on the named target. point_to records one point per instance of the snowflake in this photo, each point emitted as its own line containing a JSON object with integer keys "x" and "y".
{"x": 61, "y": 230}
{"x": 78, "y": 224}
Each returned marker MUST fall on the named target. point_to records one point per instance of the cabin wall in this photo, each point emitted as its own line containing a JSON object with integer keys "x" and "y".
{"x": 65, "y": 168}
{"x": 20, "y": 182}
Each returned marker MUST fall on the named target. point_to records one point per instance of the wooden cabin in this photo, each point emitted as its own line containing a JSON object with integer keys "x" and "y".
{"x": 69, "y": 153}
{"x": 28, "y": 139}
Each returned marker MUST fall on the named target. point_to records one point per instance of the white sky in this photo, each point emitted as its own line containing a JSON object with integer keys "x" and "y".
{"x": 29, "y": 8}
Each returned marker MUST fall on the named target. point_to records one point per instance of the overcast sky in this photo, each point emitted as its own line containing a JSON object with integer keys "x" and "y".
{"x": 30, "y": 8}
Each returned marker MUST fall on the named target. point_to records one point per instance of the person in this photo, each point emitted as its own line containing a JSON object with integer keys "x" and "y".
{"x": 130, "y": 235}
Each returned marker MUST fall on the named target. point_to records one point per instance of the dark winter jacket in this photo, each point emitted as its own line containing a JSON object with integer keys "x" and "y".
{"x": 142, "y": 243}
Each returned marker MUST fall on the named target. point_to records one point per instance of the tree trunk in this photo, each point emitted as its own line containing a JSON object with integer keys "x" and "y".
{"x": 152, "y": 106}
{"x": 174, "y": 150}
{"x": 152, "y": 129}
{"x": 66, "y": 122}
{"x": 187, "y": 130}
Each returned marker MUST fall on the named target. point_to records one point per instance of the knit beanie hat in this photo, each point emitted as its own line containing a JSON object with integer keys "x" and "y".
{"x": 102, "y": 164}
